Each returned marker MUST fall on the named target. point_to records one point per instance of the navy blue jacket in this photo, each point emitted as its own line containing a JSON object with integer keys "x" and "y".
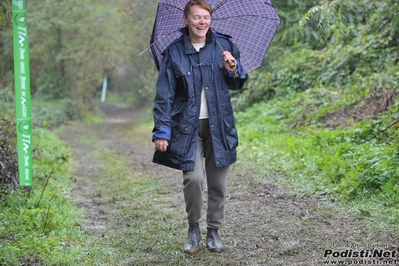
{"x": 182, "y": 75}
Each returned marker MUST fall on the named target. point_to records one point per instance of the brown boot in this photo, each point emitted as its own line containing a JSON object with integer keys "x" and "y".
{"x": 193, "y": 237}
{"x": 213, "y": 242}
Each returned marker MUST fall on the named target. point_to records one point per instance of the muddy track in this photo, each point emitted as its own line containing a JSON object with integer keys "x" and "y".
{"x": 265, "y": 224}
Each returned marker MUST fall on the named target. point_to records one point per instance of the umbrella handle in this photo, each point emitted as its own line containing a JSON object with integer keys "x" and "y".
{"x": 232, "y": 64}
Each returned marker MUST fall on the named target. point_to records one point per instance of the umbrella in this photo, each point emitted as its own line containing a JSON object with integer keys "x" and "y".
{"x": 251, "y": 24}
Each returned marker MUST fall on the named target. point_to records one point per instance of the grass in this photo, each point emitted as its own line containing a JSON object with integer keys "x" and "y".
{"x": 375, "y": 208}
{"x": 314, "y": 161}
{"x": 42, "y": 225}
{"x": 147, "y": 228}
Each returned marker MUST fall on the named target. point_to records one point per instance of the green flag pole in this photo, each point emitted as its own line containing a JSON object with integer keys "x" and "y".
{"x": 22, "y": 92}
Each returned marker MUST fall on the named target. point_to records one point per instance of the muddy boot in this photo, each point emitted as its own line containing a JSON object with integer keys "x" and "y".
{"x": 213, "y": 242}
{"x": 193, "y": 237}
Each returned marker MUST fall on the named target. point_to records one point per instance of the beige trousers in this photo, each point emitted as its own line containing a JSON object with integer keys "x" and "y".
{"x": 193, "y": 182}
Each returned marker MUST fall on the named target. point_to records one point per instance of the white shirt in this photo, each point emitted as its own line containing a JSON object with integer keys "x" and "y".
{"x": 204, "y": 105}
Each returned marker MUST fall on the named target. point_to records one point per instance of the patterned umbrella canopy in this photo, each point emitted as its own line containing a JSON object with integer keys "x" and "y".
{"x": 251, "y": 24}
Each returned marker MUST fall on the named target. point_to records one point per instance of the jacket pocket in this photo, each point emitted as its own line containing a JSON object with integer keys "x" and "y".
{"x": 231, "y": 134}
{"x": 180, "y": 141}
{"x": 183, "y": 75}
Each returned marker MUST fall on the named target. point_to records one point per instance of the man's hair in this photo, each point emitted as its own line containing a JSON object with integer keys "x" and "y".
{"x": 201, "y": 3}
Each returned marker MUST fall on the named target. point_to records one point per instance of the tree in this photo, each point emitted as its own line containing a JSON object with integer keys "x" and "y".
{"x": 73, "y": 43}
{"x": 140, "y": 72}
{"x": 334, "y": 18}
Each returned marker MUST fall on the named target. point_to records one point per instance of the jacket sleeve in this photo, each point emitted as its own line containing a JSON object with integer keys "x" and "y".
{"x": 165, "y": 94}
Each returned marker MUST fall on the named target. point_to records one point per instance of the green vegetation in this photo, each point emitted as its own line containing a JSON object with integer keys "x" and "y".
{"x": 327, "y": 117}
{"x": 41, "y": 224}
{"x": 324, "y": 161}
{"x": 73, "y": 44}
{"x": 5, "y": 12}
{"x": 146, "y": 225}
{"x": 43, "y": 227}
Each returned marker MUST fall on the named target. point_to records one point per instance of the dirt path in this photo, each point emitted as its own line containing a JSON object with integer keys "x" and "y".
{"x": 265, "y": 224}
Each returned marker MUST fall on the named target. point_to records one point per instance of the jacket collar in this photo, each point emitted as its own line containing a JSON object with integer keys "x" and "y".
{"x": 188, "y": 47}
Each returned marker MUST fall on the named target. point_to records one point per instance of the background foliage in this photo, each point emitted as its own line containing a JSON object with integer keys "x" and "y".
{"x": 41, "y": 224}
{"x": 335, "y": 102}
{"x": 73, "y": 44}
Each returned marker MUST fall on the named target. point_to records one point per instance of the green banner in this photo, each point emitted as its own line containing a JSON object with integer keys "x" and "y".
{"x": 22, "y": 92}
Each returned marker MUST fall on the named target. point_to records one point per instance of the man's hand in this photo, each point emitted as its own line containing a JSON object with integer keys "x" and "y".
{"x": 161, "y": 144}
